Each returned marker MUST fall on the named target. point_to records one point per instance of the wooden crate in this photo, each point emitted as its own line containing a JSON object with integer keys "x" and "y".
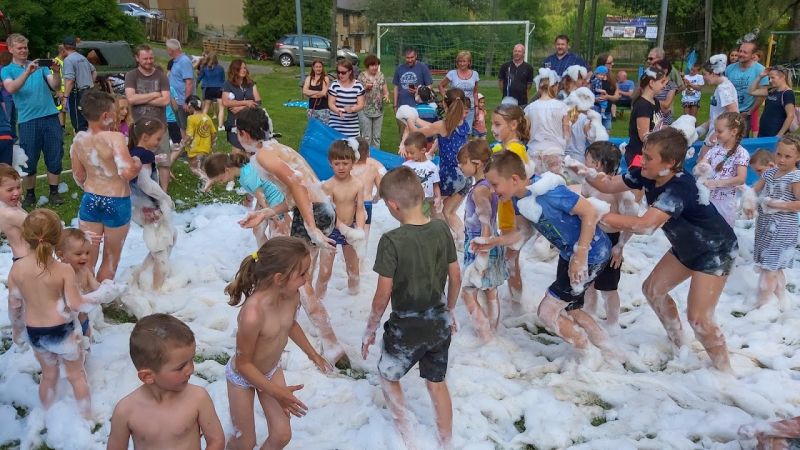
{"x": 225, "y": 46}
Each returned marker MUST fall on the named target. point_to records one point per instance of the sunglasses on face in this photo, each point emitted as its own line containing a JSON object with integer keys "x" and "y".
{"x": 342, "y": 73}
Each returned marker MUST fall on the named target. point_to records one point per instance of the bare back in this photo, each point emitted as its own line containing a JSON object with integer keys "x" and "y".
{"x": 11, "y": 218}
{"x": 99, "y": 154}
{"x": 42, "y": 291}
{"x": 369, "y": 174}
{"x": 304, "y": 173}
{"x": 276, "y": 318}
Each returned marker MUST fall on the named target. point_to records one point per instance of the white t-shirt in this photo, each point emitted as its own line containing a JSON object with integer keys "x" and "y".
{"x": 547, "y": 133}
{"x": 427, "y": 172}
{"x": 724, "y": 95}
{"x": 690, "y": 95}
{"x": 468, "y": 85}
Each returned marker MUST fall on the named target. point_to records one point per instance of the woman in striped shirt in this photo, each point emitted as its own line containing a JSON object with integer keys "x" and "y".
{"x": 345, "y": 100}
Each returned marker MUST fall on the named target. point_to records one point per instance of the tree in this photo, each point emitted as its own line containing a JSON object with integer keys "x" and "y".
{"x": 45, "y": 23}
{"x": 268, "y": 20}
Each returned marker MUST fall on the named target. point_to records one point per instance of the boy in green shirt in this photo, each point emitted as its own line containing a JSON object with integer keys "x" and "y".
{"x": 414, "y": 262}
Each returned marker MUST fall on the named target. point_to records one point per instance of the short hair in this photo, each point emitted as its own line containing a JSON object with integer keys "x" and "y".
{"x": 762, "y": 156}
{"x": 341, "y": 150}
{"x": 562, "y": 37}
{"x": 416, "y": 139}
{"x": 408, "y": 50}
{"x": 402, "y": 186}
{"x": 95, "y": 102}
{"x": 659, "y": 52}
{"x": 15, "y": 38}
{"x": 7, "y": 171}
{"x": 173, "y": 44}
{"x": 143, "y": 48}
{"x": 506, "y": 163}
{"x": 475, "y": 150}
{"x": 671, "y": 145}
{"x": 371, "y": 60}
{"x": 154, "y": 336}
{"x": 607, "y": 154}
{"x": 70, "y": 234}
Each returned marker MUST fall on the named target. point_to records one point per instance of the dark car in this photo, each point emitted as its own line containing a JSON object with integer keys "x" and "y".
{"x": 287, "y": 50}
{"x": 111, "y": 59}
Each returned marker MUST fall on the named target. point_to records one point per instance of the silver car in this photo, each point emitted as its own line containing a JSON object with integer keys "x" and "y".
{"x": 287, "y": 50}
{"x": 134, "y": 10}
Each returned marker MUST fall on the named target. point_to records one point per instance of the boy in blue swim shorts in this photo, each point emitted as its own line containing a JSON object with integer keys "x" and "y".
{"x": 102, "y": 166}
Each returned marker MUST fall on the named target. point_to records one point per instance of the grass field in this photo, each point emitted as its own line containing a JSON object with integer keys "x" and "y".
{"x": 277, "y": 88}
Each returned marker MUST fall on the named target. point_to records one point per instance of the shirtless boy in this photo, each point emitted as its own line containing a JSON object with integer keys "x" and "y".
{"x": 313, "y": 216}
{"x": 102, "y": 167}
{"x": 11, "y": 213}
{"x": 370, "y": 172}
{"x": 165, "y": 411}
{"x": 347, "y": 194}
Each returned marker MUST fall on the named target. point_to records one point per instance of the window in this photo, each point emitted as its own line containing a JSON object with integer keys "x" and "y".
{"x": 345, "y": 19}
{"x": 319, "y": 43}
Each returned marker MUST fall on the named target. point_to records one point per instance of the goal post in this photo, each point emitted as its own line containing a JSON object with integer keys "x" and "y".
{"x": 438, "y": 43}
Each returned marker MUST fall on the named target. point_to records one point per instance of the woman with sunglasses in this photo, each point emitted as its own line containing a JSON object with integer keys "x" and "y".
{"x": 345, "y": 100}
{"x": 645, "y": 114}
{"x": 779, "y": 106}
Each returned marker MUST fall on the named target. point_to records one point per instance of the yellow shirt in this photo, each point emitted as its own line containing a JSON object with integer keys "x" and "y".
{"x": 506, "y": 220}
{"x": 202, "y": 130}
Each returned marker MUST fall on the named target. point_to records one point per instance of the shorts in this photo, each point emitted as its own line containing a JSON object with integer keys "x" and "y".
{"x": 458, "y": 185}
{"x": 496, "y": 272}
{"x": 42, "y": 135}
{"x": 338, "y": 237}
{"x": 324, "y": 218}
{"x": 112, "y": 212}
{"x": 368, "y": 207}
{"x": 411, "y": 338}
{"x": 562, "y": 287}
{"x": 174, "y": 132}
{"x": 212, "y": 93}
{"x": 241, "y": 382}
{"x": 56, "y": 339}
{"x": 608, "y": 278}
{"x": 717, "y": 262}
{"x": 7, "y": 150}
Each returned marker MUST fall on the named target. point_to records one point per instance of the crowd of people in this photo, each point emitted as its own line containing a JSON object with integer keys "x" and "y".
{"x": 552, "y": 175}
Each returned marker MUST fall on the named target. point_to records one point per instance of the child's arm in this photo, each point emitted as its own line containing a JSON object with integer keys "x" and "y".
{"x": 483, "y": 207}
{"x": 607, "y": 184}
{"x": 209, "y": 423}
{"x": 652, "y": 220}
{"x": 759, "y": 186}
{"x": 78, "y": 171}
{"x": 383, "y": 294}
{"x": 738, "y": 180}
{"x": 15, "y": 312}
{"x": 453, "y": 291}
{"x": 578, "y": 264}
{"x": 153, "y": 189}
{"x": 566, "y": 127}
{"x": 437, "y": 197}
{"x": 297, "y": 336}
{"x": 377, "y": 185}
{"x": 261, "y": 200}
{"x": 783, "y": 205}
{"x": 361, "y": 212}
{"x": 127, "y": 166}
{"x": 120, "y": 433}
{"x": 91, "y": 281}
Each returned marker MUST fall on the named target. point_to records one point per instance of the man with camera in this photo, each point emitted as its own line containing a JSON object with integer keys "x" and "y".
{"x": 31, "y": 83}
{"x": 79, "y": 75}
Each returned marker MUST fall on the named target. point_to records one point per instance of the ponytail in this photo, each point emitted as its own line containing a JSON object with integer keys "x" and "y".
{"x": 42, "y": 229}
{"x": 455, "y": 105}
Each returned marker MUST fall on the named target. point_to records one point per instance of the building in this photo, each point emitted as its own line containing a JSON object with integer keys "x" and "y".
{"x": 352, "y": 26}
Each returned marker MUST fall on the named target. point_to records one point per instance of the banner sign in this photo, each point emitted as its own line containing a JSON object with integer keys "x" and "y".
{"x": 631, "y": 28}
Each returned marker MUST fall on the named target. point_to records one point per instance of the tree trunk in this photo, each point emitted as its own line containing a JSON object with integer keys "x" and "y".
{"x": 576, "y": 40}
{"x": 792, "y": 48}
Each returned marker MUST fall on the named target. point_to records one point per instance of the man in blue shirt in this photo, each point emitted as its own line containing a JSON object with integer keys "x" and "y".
{"x": 625, "y": 88}
{"x": 37, "y": 116}
{"x": 562, "y": 58}
{"x": 407, "y": 78}
{"x": 181, "y": 77}
{"x": 742, "y": 74}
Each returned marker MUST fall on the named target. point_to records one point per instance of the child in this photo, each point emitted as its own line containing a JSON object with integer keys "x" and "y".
{"x": 483, "y": 272}
{"x": 43, "y": 295}
{"x": 427, "y": 172}
{"x": 725, "y": 164}
{"x": 201, "y": 134}
{"x": 690, "y": 97}
{"x": 73, "y": 249}
{"x": 222, "y": 168}
{"x": 776, "y": 226}
{"x": 123, "y": 121}
{"x": 370, "y": 172}
{"x": 479, "y": 124}
{"x": 151, "y": 205}
{"x": 511, "y": 127}
{"x": 413, "y": 263}
{"x": 605, "y": 157}
{"x": 11, "y": 213}
{"x": 270, "y": 280}
{"x": 347, "y": 194}
{"x": 427, "y": 108}
{"x": 762, "y": 160}
{"x": 173, "y": 128}
{"x": 165, "y": 411}
{"x": 601, "y": 87}
{"x": 569, "y": 222}
{"x": 549, "y": 123}
{"x": 704, "y": 246}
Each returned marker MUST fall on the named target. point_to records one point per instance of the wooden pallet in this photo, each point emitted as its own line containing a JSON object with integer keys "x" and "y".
{"x": 225, "y": 46}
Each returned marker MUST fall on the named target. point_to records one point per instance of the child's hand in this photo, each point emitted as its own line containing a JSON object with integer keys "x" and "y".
{"x": 290, "y": 404}
{"x": 161, "y": 158}
{"x": 480, "y": 244}
{"x": 711, "y": 184}
{"x": 252, "y": 219}
{"x": 402, "y": 152}
{"x": 93, "y": 238}
{"x": 366, "y": 341}
{"x": 319, "y": 239}
{"x": 453, "y": 322}
{"x": 322, "y": 364}
{"x": 578, "y": 266}
{"x": 438, "y": 205}
{"x": 616, "y": 257}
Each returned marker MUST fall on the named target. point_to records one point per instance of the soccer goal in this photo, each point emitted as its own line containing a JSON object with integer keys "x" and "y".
{"x": 438, "y": 43}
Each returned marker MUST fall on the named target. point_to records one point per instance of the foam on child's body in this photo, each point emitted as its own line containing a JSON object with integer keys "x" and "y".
{"x": 528, "y": 206}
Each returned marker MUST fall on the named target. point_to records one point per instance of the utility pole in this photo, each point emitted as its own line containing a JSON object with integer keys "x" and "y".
{"x": 298, "y": 16}
{"x": 592, "y": 24}
{"x": 662, "y": 23}
{"x": 334, "y": 34}
{"x": 707, "y": 30}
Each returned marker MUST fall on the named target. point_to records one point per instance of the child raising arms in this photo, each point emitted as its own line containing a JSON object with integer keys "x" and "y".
{"x": 270, "y": 280}
{"x": 725, "y": 164}
{"x": 776, "y": 226}
{"x": 165, "y": 411}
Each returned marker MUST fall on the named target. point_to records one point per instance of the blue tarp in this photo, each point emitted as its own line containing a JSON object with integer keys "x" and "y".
{"x": 751, "y": 144}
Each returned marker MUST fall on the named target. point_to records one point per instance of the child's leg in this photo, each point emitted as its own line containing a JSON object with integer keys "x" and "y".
{"x": 332, "y": 350}
{"x": 596, "y": 335}
{"x": 206, "y": 106}
{"x": 220, "y": 113}
{"x": 780, "y": 288}
{"x": 279, "y": 428}
{"x": 160, "y": 268}
{"x": 704, "y": 292}
{"x": 393, "y": 393}
{"x": 280, "y": 227}
{"x": 551, "y": 314}
{"x": 113, "y": 239}
{"x": 260, "y": 233}
{"x": 492, "y": 308}
{"x": 452, "y": 217}
{"x": 137, "y": 272}
{"x": 612, "y": 307}
{"x": 49, "y": 378}
{"x": 326, "y": 258}
{"x": 479, "y": 320}
{"x": 590, "y": 301}
{"x": 666, "y": 275}
{"x": 76, "y": 374}
{"x": 351, "y": 264}
{"x": 514, "y": 276}
{"x": 767, "y": 286}
{"x": 443, "y": 407}
{"x": 240, "y": 404}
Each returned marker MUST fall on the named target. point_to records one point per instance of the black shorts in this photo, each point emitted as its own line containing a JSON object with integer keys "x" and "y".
{"x": 718, "y": 261}
{"x": 608, "y": 278}
{"x": 415, "y": 339}
{"x": 212, "y": 93}
{"x": 562, "y": 288}
{"x": 174, "y": 132}
{"x": 324, "y": 218}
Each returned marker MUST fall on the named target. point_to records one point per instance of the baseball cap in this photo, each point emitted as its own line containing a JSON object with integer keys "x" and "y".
{"x": 70, "y": 40}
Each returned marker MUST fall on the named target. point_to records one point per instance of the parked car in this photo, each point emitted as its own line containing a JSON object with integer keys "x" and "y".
{"x": 287, "y": 50}
{"x": 111, "y": 59}
{"x": 134, "y": 10}
{"x": 157, "y": 13}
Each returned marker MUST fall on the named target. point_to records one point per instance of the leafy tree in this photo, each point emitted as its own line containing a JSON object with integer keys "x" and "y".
{"x": 268, "y": 20}
{"x": 45, "y": 23}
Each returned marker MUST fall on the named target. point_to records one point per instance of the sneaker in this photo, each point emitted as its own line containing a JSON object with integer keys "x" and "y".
{"x": 29, "y": 201}
{"x": 221, "y": 129}
{"x": 55, "y": 199}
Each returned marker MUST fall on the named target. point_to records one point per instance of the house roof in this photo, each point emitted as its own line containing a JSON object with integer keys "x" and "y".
{"x": 352, "y": 5}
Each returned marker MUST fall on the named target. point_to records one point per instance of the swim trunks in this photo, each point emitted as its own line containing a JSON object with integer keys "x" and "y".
{"x": 85, "y": 327}
{"x": 338, "y": 237}
{"x": 368, "y": 207}
{"x": 112, "y": 212}
{"x": 608, "y": 278}
{"x": 241, "y": 382}
{"x": 562, "y": 287}
{"x": 324, "y": 218}
{"x": 413, "y": 337}
{"x": 55, "y": 339}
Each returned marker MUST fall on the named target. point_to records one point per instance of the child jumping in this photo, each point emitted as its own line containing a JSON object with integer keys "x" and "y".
{"x": 165, "y": 411}
{"x": 427, "y": 173}
{"x": 483, "y": 272}
{"x": 725, "y": 165}
{"x": 347, "y": 194}
{"x": 222, "y": 168}
{"x": 776, "y": 226}
{"x": 269, "y": 280}
{"x": 413, "y": 263}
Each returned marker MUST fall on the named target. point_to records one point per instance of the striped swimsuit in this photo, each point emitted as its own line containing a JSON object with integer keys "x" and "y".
{"x": 776, "y": 233}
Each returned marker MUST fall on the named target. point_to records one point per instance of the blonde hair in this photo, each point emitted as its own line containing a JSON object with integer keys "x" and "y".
{"x": 42, "y": 231}
{"x": 465, "y": 54}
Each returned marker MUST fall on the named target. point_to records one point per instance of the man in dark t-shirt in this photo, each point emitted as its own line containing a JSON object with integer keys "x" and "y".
{"x": 562, "y": 58}
{"x": 516, "y": 77}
